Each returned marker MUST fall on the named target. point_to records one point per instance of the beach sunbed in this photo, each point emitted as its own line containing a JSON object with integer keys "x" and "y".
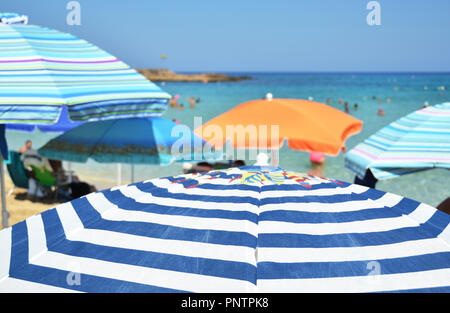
{"x": 16, "y": 171}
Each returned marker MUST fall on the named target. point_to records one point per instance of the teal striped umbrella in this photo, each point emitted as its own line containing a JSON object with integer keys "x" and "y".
{"x": 42, "y": 69}
{"x": 416, "y": 142}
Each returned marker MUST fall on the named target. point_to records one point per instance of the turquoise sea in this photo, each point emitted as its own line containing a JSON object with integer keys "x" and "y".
{"x": 407, "y": 92}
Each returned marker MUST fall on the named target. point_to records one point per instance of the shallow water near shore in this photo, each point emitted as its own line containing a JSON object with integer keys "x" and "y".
{"x": 407, "y": 92}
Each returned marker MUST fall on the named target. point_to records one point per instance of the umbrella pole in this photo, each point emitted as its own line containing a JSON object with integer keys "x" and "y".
{"x": 5, "y": 213}
{"x": 119, "y": 174}
{"x": 69, "y": 166}
{"x": 132, "y": 173}
{"x": 274, "y": 157}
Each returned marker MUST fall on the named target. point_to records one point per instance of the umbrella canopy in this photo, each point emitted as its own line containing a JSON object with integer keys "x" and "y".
{"x": 418, "y": 141}
{"x": 63, "y": 124}
{"x": 42, "y": 69}
{"x": 237, "y": 230}
{"x": 131, "y": 140}
{"x": 306, "y": 125}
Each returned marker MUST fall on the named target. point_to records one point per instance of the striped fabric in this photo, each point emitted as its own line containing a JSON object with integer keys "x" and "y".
{"x": 41, "y": 69}
{"x": 248, "y": 229}
{"x": 13, "y": 18}
{"x": 418, "y": 141}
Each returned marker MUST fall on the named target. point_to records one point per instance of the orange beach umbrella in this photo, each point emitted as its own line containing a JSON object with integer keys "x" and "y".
{"x": 306, "y": 125}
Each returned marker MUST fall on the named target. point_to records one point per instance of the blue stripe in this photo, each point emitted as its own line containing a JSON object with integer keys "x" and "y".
{"x": 179, "y": 263}
{"x": 371, "y": 194}
{"x": 344, "y": 240}
{"x": 165, "y": 193}
{"x": 117, "y": 198}
{"x": 20, "y": 268}
{"x": 337, "y": 217}
{"x": 426, "y": 262}
{"x": 79, "y": 108}
{"x": 92, "y": 219}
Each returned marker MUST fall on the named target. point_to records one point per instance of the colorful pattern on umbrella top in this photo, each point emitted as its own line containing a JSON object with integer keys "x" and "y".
{"x": 42, "y": 69}
{"x": 249, "y": 229}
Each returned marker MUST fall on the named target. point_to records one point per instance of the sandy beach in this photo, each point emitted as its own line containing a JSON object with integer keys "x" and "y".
{"x": 19, "y": 207}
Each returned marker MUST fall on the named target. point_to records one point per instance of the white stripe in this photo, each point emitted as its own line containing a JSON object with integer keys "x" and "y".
{"x": 13, "y": 285}
{"x": 342, "y": 254}
{"x": 422, "y": 213}
{"x": 36, "y": 237}
{"x": 419, "y": 216}
{"x": 365, "y": 226}
{"x": 370, "y": 283}
{"x": 394, "y": 142}
{"x": 61, "y": 79}
{"x": 74, "y": 231}
{"x": 388, "y": 200}
{"x": 142, "y": 275}
{"x": 415, "y": 128}
{"x": 77, "y": 72}
{"x": 68, "y": 88}
{"x": 5, "y": 251}
{"x": 56, "y": 101}
{"x": 133, "y": 273}
{"x": 145, "y": 197}
{"x": 32, "y": 57}
{"x": 445, "y": 235}
{"x": 352, "y": 189}
{"x": 114, "y": 213}
{"x": 70, "y": 221}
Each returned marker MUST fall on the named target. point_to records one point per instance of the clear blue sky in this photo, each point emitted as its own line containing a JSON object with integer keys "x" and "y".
{"x": 258, "y": 35}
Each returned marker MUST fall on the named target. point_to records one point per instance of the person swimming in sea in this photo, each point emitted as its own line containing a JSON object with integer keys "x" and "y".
{"x": 192, "y": 102}
{"x": 173, "y": 102}
{"x": 317, "y": 160}
{"x": 380, "y": 112}
{"x": 355, "y": 106}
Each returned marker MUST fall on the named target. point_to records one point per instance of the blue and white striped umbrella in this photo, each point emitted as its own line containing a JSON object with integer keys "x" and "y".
{"x": 42, "y": 69}
{"x": 416, "y": 142}
{"x": 249, "y": 229}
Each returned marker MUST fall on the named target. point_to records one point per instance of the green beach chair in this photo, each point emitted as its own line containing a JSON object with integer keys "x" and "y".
{"x": 44, "y": 177}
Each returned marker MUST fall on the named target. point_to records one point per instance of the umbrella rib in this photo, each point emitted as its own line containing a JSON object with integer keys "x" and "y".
{"x": 101, "y": 138}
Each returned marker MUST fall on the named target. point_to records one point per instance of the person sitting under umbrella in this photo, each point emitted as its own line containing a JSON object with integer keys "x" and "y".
{"x": 30, "y": 158}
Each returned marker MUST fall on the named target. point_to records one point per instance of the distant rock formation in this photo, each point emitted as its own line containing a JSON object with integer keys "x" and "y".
{"x": 168, "y": 75}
